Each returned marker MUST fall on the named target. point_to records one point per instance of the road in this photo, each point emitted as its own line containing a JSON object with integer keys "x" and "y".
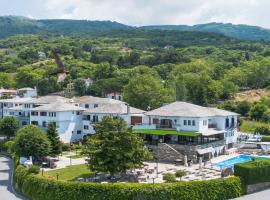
{"x": 263, "y": 195}
{"x": 6, "y": 189}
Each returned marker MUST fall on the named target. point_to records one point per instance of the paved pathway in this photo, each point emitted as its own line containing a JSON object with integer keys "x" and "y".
{"x": 6, "y": 189}
{"x": 263, "y": 195}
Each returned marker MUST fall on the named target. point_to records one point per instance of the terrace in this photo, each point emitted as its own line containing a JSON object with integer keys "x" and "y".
{"x": 153, "y": 136}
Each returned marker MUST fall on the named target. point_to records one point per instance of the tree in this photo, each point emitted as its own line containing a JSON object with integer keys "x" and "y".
{"x": 257, "y": 111}
{"x": 143, "y": 91}
{"x": 56, "y": 146}
{"x": 31, "y": 141}
{"x": 9, "y": 126}
{"x": 114, "y": 148}
{"x": 180, "y": 174}
{"x": 243, "y": 108}
{"x": 169, "y": 177}
{"x": 80, "y": 87}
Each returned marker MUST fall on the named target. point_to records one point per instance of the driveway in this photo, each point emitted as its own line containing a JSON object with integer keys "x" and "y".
{"x": 263, "y": 195}
{"x": 6, "y": 189}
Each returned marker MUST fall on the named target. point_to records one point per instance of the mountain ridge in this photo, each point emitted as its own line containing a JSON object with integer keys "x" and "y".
{"x": 13, "y": 25}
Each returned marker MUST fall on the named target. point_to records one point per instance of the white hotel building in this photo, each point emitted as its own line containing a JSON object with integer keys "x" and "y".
{"x": 205, "y": 129}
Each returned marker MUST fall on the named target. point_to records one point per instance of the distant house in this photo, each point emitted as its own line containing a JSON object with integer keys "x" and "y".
{"x": 41, "y": 55}
{"x": 69, "y": 91}
{"x": 7, "y": 93}
{"x": 27, "y": 92}
{"x": 115, "y": 95}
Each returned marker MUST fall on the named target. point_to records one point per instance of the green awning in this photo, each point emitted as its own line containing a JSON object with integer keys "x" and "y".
{"x": 166, "y": 132}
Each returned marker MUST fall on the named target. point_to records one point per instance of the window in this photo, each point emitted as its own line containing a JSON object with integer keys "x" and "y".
{"x": 34, "y": 123}
{"x": 227, "y": 123}
{"x": 95, "y": 118}
{"x": 204, "y": 122}
{"x": 85, "y": 127}
{"x": 33, "y": 113}
{"x": 79, "y": 132}
{"x": 43, "y": 113}
{"x": 78, "y": 112}
{"x": 44, "y": 124}
{"x": 86, "y": 106}
{"x": 52, "y": 114}
{"x": 95, "y": 105}
{"x": 193, "y": 123}
{"x": 185, "y": 122}
{"x": 189, "y": 122}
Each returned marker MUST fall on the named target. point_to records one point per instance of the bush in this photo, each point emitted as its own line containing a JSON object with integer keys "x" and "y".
{"x": 65, "y": 147}
{"x": 37, "y": 187}
{"x": 169, "y": 177}
{"x": 266, "y": 139}
{"x": 34, "y": 169}
{"x": 9, "y": 147}
{"x": 257, "y": 171}
{"x": 180, "y": 173}
{"x": 262, "y": 130}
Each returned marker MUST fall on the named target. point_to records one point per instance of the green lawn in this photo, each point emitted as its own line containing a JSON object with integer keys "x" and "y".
{"x": 69, "y": 173}
{"x": 250, "y": 126}
{"x": 166, "y": 132}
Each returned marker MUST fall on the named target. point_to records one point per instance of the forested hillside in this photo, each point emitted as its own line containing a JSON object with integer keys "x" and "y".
{"x": 13, "y": 25}
{"x": 149, "y": 67}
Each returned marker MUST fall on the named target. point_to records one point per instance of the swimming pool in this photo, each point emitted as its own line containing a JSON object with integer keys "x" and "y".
{"x": 235, "y": 160}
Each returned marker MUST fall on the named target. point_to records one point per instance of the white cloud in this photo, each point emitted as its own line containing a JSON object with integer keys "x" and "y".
{"x": 145, "y": 12}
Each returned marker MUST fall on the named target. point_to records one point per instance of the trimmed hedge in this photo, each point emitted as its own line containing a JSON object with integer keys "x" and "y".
{"x": 257, "y": 171}
{"x": 266, "y": 139}
{"x": 38, "y": 188}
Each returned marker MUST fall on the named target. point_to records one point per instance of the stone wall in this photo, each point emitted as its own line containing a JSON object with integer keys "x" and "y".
{"x": 257, "y": 187}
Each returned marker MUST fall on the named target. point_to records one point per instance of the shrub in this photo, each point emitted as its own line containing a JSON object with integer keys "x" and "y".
{"x": 9, "y": 147}
{"x": 65, "y": 147}
{"x": 180, "y": 174}
{"x": 34, "y": 169}
{"x": 266, "y": 139}
{"x": 169, "y": 177}
{"x": 40, "y": 188}
{"x": 262, "y": 130}
{"x": 257, "y": 171}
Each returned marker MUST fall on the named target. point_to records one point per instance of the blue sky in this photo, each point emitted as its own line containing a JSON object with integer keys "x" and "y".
{"x": 145, "y": 12}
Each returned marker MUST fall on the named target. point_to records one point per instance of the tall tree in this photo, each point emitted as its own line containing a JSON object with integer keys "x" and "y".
{"x": 143, "y": 91}
{"x": 31, "y": 141}
{"x": 114, "y": 148}
{"x": 9, "y": 126}
{"x": 80, "y": 87}
{"x": 56, "y": 147}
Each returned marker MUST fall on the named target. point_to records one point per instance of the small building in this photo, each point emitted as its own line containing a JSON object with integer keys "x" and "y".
{"x": 41, "y": 55}
{"x": 7, "y": 93}
{"x": 115, "y": 95}
{"x": 27, "y": 92}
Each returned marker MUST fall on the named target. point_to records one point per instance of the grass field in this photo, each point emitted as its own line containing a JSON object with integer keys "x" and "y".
{"x": 69, "y": 173}
{"x": 250, "y": 126}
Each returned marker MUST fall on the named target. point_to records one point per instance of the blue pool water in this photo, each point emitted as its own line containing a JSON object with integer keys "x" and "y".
{"x": 235, "y": 160}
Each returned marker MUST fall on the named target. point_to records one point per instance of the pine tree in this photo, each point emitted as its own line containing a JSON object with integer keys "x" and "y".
{"x": 56, "y": 147}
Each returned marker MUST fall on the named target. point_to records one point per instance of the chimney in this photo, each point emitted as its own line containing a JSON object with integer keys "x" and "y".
{"x": 128, "y": 108}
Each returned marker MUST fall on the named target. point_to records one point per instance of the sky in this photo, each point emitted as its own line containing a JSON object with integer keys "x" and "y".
{"x": 145, "y": 12}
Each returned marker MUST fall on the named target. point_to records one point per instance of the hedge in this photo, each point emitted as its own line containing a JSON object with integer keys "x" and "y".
{"x": 266, "y": 139}
{"x": 37, "y": 187}
{"x": 257, "y": 171}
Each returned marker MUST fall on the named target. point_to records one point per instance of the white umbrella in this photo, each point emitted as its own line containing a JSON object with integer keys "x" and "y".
{"x": 200, "y": 163}
{"x": 185, "y": 161}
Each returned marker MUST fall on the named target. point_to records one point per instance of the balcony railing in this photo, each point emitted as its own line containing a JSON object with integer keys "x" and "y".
{"x": 212, "y": 144}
